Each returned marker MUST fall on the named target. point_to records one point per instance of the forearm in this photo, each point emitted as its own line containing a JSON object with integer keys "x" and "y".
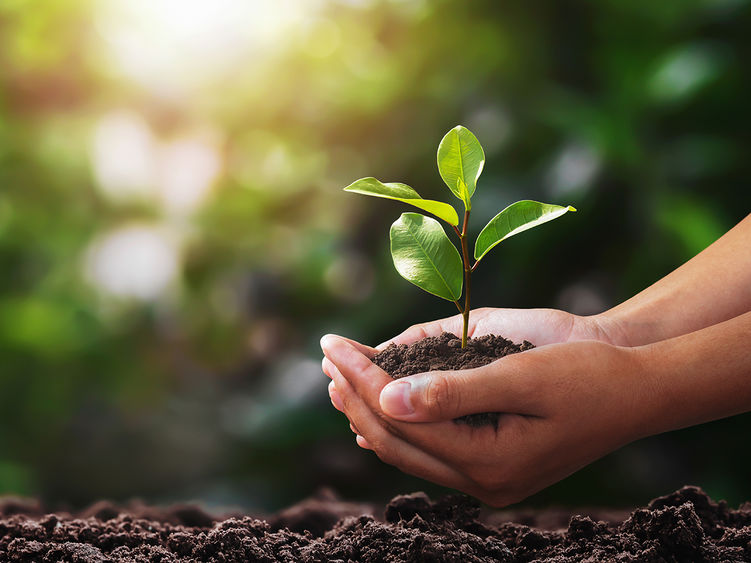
{"x": 712, "y": 287}
{"x": 698, "y": 377}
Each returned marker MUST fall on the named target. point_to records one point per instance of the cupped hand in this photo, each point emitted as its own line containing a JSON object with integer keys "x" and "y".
{"x": 563, "y": 406}
{"x": 538, "y": 326}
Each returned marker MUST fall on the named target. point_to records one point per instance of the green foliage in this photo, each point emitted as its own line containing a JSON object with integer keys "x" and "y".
{"x": 516, "y": 218}
{"x": 424, "y": 255}
{"x": 405, "y": 194}
{"x": 421, "y": 251}
{"x": 460, "y": 162}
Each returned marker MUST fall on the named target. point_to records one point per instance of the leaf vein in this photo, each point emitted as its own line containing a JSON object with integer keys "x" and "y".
{"x": 425, "y": 252}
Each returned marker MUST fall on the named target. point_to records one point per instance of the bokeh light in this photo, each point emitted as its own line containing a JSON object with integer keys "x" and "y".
{"x": 171, "y": 47}
{"x": 137, "y": 261}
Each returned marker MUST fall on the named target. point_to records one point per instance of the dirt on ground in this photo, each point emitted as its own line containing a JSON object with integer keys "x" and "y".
{"x": 445, "y": 353}
{"x": 683, "y": 526}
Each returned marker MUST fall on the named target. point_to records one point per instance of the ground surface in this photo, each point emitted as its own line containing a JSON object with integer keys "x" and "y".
{"x": 683, "y": 526}
{"x": 445, "y": 353}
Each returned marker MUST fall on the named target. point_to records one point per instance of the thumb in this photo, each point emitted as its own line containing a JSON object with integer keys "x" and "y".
{"x": 444, "y": 395}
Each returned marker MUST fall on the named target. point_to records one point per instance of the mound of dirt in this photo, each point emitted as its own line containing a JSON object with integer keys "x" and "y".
{"x": 683, "y": 526}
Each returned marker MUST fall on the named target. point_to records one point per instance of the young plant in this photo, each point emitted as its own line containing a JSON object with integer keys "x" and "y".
{"x": 422, "y": 252}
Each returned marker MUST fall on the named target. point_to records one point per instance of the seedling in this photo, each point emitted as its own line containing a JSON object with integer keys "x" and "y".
{"x": 422, "y": 252}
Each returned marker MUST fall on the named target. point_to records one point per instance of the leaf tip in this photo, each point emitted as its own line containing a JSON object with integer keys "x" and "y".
{"x": 353, "y": 185}
{"x": 571, "y": 208}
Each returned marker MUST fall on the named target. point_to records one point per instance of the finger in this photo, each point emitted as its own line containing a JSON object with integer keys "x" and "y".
{"x": 326, "y": 366}
{"x": 364, "y": 376}
{"x": 336, "y": 400}
{"x": 343, "y": 356}
{"x": 362, "y": 442}
{"x": 392, "y": 449}
{"x": 366, "y": 381}
{"x": 507, "y": 385}
{"x": 367, "y": 351}
{"x": 344, "y": 361}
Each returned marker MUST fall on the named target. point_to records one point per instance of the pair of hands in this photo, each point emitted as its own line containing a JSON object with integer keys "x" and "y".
{"x": 571, "y": 400}
{"x": 676, "y": 354}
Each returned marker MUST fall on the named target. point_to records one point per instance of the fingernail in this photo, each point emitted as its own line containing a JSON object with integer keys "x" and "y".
{"x": 326, "y": 341}
{"x": 362, "y": 442}
{"x": 333, "y": 347}
{"x": 396, "y": 399}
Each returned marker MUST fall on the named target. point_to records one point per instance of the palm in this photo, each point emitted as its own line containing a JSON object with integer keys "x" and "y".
{"x": 539, "y": 326}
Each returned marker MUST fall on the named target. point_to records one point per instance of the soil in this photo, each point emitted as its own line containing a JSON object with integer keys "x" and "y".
{"x": 445, "y": 353}
{"x": 683, "y": 526}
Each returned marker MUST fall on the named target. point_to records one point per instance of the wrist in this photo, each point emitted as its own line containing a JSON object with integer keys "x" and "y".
{"x": 654, "y": 394}
{"x": 622, "y": 327}
{"x": 602, "y": 328}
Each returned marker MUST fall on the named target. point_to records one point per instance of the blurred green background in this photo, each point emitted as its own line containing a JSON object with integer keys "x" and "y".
{"x": 174, "y": 239}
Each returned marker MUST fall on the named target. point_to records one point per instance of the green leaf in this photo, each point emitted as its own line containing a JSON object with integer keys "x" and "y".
{"x": 516, "y": 218}
{"x": 425, "y": 256}
{"x": 460, "y": 162}
{"x": 405, "y": 194}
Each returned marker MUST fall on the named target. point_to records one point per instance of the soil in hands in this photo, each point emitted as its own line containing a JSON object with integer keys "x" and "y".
{"x": 445, "y": 353}
{"x": 683, "y": 526}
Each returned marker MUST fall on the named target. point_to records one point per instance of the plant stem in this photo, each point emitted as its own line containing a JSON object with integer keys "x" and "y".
{"x": 467, "y": 278}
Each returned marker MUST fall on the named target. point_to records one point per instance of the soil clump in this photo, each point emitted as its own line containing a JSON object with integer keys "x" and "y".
{"x": 445, "y": 353}
{"x": 683, "y": 526}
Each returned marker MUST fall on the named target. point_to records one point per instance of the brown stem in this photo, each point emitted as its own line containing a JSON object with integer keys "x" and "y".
{"x": 467, "y": 279}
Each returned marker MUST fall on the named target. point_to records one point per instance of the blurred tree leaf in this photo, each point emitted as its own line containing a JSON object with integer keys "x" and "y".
{"x": 686, "y": 70}
{"x": 691, "y": 222}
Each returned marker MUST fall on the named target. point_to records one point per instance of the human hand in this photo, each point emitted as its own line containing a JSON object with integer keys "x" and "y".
{"x": 563, "y": 406}
{"x": 538, "y": 326}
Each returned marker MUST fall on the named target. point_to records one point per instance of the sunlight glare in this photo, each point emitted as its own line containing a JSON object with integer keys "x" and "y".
{"x": 170, "y": 45}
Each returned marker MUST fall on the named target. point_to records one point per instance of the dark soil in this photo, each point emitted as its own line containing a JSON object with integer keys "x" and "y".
{"x": 683, "y": 526}
{"x": 445, "y": 353}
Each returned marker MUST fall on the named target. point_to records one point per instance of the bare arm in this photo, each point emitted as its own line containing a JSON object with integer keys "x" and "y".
{"x": 712, "y": 287}
{"x": 701, "y": 376}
